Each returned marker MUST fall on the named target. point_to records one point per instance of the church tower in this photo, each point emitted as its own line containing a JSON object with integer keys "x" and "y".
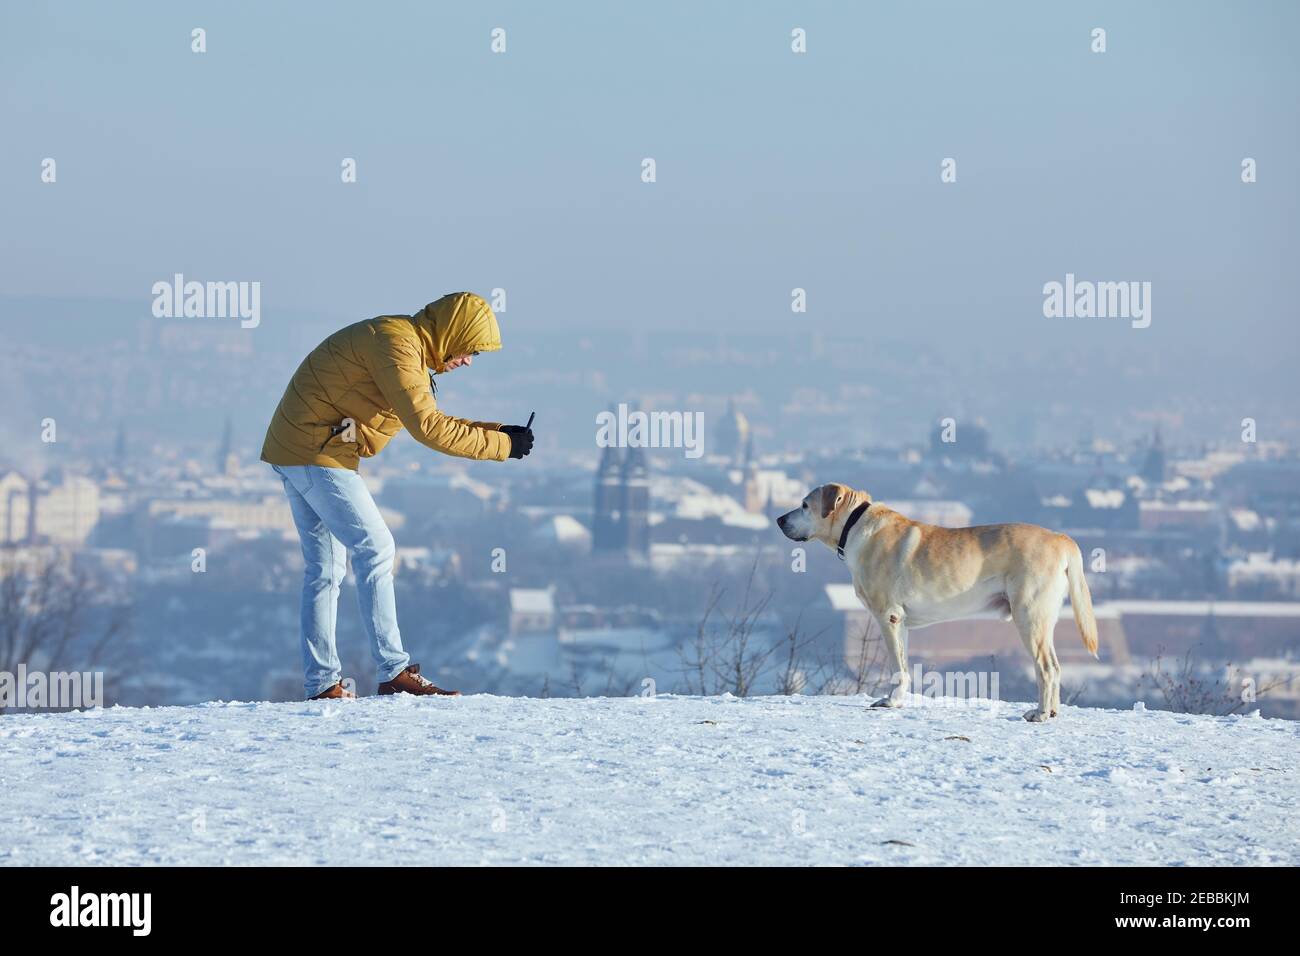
{"x": 607, "y": 530}
{"x": 227, "y": 461}
{"x": 636, "y": 502}
{"x": 731, "y": 433}
{"x": 1153, "y": 466}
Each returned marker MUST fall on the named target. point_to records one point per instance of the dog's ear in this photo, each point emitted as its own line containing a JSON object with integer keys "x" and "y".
{"x": 830, "y": 498}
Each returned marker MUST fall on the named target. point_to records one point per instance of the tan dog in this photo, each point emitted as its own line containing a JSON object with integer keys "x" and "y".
{"x": 909, "y": 574}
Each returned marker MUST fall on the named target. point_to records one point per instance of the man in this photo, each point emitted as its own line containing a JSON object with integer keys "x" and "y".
{"x": 353, "y": 393}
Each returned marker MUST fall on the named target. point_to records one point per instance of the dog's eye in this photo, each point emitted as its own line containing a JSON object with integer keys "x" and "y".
{"x": 804, "y": 506}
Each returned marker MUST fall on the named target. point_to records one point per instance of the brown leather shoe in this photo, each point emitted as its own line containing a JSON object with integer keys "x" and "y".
{"x": 337, "y": 692}
{"x": 410, "y": 682}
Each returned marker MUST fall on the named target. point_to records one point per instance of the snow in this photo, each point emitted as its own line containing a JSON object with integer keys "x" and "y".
{"x": 1105, "y": 497}
{"x": 844, "y": 599}
{"x": 565, "y": 530}
{"x": 643, "y": 780}
{"x": 532, "y": 600}
{"x": 728, "y": 510}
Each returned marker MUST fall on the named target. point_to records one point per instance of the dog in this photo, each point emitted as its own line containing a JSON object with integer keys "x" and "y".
{"x": 910, "y": 575}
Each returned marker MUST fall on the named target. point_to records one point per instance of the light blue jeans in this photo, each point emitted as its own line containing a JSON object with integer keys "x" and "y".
{"x": 334, "y": 511}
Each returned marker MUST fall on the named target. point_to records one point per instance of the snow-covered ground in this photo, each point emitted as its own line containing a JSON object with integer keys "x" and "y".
{"x": 773, "y": 780}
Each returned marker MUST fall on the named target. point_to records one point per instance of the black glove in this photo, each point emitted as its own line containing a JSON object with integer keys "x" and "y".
{"x": 521, "y": 439}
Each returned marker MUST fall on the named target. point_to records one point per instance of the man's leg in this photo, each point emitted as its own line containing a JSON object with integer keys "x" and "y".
{"x": 324, "y": 565}
{"x": 344, "y": 503}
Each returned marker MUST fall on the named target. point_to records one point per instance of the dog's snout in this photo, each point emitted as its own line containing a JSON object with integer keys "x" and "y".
{"x": 789, "y": 526}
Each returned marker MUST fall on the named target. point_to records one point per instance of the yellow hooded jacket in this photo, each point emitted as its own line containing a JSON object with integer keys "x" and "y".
{"x": 373, "y": 375}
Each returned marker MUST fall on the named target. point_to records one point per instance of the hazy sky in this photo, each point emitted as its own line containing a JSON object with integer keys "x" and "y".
{"x": 522, "y": 170}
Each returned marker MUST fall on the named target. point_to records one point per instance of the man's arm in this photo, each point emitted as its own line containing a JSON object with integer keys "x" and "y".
{"x": 398, "y": 370}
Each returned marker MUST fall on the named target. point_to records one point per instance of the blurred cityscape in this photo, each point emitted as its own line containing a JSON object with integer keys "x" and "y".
{"x": 589, "y": 571}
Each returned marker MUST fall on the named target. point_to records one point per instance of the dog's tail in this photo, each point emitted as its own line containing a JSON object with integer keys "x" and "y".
{"x": 1081, "y": 598}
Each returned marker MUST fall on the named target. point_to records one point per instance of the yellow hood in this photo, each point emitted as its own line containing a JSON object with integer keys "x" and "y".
{"x": 457, "y": 324}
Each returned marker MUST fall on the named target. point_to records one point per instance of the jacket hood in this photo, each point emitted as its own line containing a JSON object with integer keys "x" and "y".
{"x": 457, "y": 324}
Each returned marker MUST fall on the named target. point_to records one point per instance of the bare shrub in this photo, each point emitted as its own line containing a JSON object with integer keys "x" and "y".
{"x": 725, "y": 655}
{"x": 55, "y": 616}
{"x": 1193, "y": 688}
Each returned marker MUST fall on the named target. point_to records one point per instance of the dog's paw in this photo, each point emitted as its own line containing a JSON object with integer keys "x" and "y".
{"x": 888, "y": 702}
{"x": 1036, "y": 716}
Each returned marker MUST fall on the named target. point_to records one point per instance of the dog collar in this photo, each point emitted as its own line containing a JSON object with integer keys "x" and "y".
{"x": 858, "y": 512}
